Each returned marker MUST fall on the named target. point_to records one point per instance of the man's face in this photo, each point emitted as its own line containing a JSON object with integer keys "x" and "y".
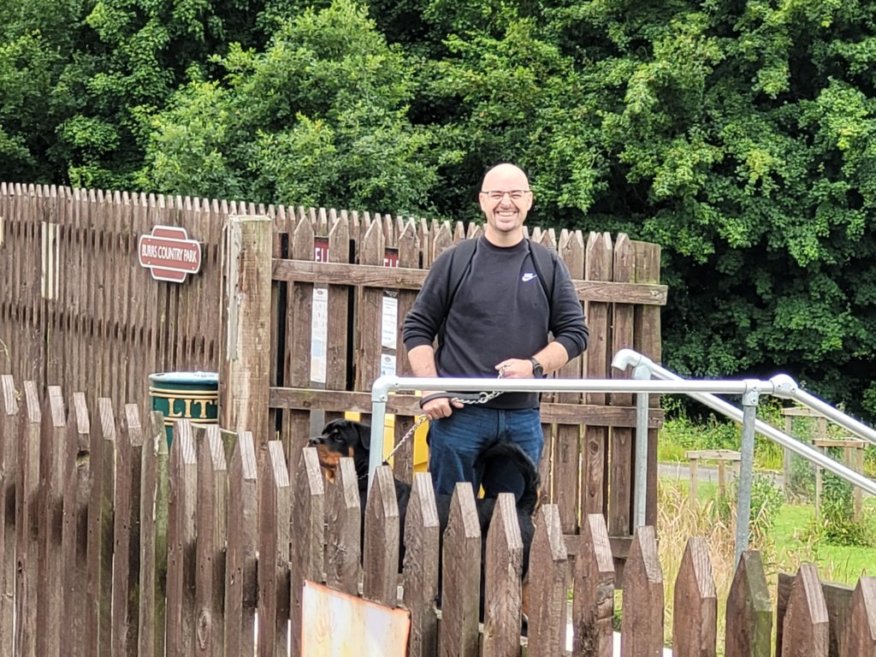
{"x": 505, "y": 198}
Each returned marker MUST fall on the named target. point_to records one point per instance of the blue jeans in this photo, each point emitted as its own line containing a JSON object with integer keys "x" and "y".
{"x": 455, "y": 441}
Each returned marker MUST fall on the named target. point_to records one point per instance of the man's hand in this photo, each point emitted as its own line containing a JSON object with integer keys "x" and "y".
{"x": 515, "y": 368}
{"x": 440, "y": 407}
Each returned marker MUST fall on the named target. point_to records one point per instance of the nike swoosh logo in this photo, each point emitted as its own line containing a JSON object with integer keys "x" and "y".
{"x": 527, "y": 277}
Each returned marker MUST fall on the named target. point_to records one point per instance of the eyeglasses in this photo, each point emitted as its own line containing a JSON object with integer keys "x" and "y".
{"x": 514, "y": 194}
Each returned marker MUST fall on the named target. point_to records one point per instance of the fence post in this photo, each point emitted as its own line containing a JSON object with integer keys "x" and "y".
{"x": 245, "y": 362}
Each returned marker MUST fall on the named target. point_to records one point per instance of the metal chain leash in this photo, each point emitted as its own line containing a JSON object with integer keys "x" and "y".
{"x": 481, "y": 398}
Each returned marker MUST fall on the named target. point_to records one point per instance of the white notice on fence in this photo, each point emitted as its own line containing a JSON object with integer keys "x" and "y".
{"x": 319, "y": 335}
{"x": 389, "y": 326}
{"x": 387, "y": 365}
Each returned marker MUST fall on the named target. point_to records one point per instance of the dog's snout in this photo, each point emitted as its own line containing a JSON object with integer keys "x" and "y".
{"x": 313, "y": 441}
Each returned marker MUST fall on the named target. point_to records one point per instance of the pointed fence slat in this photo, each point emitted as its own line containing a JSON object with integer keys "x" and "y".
{"x": 240, "y": 561}
{"x": 749, "y": 619}
{"x": 51, "y": 510}
{"x": 695, "y": 609}
{"x": 503, "y": 566}
{"x": 153, "y": 537}
{"x": 380, "y": 553}
{"x": 343, "y": 537}
{"x": 274, "y": 505}
{"x": 860, "y": 632}
{"x": 210, "y": 543}
{"x": 548, "y": 567}
{"x": 593, "y": 600}
{"x": 74, "y": 533}
{"x": 805, "y": 626}
{"x": 26, "y": 522}
{"x": 598, "y": 268}
{"x": 181, "y": 512}
{"x": 837, "y": 597}
{"x": 461, "y": 564}
{"x": 420, "y": 568}
{"x": 642, "y": 609}
{"x": 308, "y": 517}
{"x": 126, "y": 534}
{"x": 9, "y": 423}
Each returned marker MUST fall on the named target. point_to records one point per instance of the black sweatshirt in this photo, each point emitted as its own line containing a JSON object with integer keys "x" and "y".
{"x": 500, "y": 310}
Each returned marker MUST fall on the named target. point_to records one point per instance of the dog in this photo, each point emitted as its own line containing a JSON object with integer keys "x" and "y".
{"x": 503, "y": 468}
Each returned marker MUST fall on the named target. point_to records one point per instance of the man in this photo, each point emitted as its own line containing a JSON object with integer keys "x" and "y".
{"x": 494, "y": 321}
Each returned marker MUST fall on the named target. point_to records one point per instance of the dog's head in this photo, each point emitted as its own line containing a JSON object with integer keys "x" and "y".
{"x": 340, "y": 438}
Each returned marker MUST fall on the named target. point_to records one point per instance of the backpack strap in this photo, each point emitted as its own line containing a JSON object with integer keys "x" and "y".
{"x": 543, "y": 261}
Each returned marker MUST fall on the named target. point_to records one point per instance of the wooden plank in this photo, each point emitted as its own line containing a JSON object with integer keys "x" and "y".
{"x": 805, "y": 626}
{"x": 343, "y": 530}
{"x": 368, "y": 312}
{"x": 838, "y": 599}
{"x": 749, "y": 615}
{"x": 307, "y": 555}
{"x": 155, "y": 491}
{"x": 461, "y": 576}
{"x": 503, "y": 566}
{"x": 273, "y": 572}
{"x": 241, "y": 586}
{"x": 49, "y": 590}
{"x": 860, "y": 631}
{"x": 181, "y": 510}
{"x": 420, "y": 567}
{"x": 621, "y": 472}
{"x": 74, "y": 533}
{"x": 548, "y": 585}
{"x": 593, "y": 582}
{"x": 380, "y": 552}
{"x": 404, "y": 278}
{"x": 100, "y": 521}
{"x": 211, "y": 523}
{"x": 126, "y": 534}
{"x": 338, "y": 311}
{"x": 598, "y": 267}
{"x": 695, "y": 611}
{"x": 642, "y": 609}
{"x": 246, "y": 361}
{"x": 297, "y": 359}
{"x": 26, "y": 523}
{"x": 9, "y": 431}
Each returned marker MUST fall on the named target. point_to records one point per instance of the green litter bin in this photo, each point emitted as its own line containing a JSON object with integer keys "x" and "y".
{"x": 190, "y": 395}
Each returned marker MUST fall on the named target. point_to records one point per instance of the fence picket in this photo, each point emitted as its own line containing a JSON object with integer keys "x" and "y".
{"x": 380, "y": 552}
{"x": 211, "y": 524}
{"x": 749, "y": 618}
{"x": 593, "y": 601}
{"x": 548, "y": 577}
{"x": 695, "y": 610}
{"x": 461, "y": 575}
{"x": 859, "y": 634}
{"x": 9, "y": 427}
{"x": 503, "y": 566}
{"x": 240, "y": 570}
{"x": 343, "y": 538}
{"x": 273, "y": 572}
{"x": 805, "y": 623}
{"x": 420, "y": 567}
{"x": 642, "y": 613}
{"x": 26, "y": 523}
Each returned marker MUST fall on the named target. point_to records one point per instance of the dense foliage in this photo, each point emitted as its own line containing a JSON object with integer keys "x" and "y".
{"x": 737, "y": 134}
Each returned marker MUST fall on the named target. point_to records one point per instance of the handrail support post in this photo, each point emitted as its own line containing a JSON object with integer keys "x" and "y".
{"x": 750, "y": 400}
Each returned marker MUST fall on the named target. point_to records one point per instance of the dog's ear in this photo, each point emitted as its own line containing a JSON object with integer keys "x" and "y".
{"x": 364, "y": 435}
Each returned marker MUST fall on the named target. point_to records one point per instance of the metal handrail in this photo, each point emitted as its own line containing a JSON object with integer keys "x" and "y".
{"x": 642, "y": 385}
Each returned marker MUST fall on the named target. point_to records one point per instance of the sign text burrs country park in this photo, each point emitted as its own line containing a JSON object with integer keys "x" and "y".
{"x": 169, "y": 254}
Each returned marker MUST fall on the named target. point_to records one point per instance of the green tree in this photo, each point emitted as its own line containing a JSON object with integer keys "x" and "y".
{"x": 320, "y": 118}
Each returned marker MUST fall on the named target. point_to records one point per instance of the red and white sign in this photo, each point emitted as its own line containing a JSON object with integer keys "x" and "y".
{"x": 169, "y": 254}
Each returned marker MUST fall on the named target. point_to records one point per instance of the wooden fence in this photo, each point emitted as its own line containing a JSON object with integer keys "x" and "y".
{"x": 77, "y": 310}
{"x": 111, "y": 545}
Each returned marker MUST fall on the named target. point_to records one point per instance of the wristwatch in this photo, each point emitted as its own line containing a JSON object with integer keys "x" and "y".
{"x": 537, "y": 369}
